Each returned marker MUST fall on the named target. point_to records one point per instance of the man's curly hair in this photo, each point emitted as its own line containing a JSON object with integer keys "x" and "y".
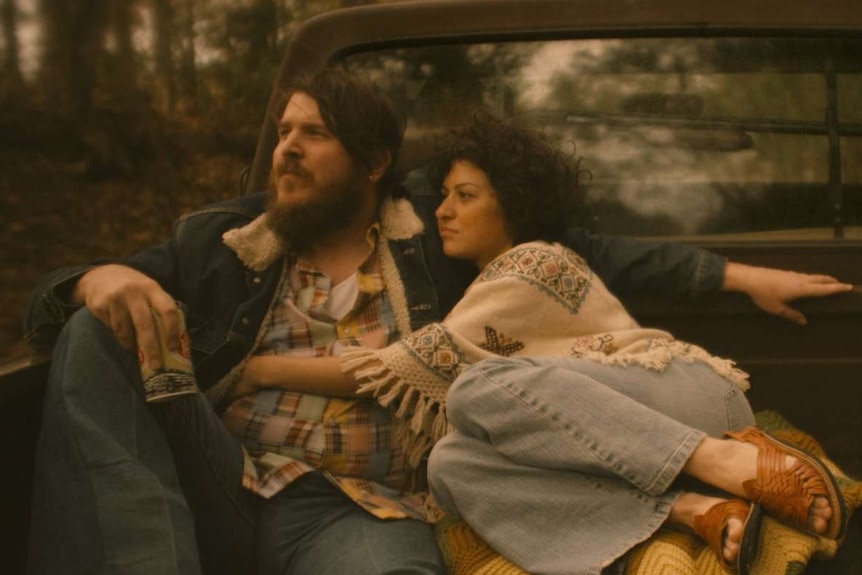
{"x": 536, "y": 183}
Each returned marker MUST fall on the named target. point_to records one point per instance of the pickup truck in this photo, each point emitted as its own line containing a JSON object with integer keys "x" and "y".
{"x": 733, "y": 125}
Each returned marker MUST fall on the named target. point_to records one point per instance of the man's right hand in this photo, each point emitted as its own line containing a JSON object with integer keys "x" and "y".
{"x": 121, "y": 298}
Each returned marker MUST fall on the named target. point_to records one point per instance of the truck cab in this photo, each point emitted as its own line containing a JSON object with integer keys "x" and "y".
{"x": 735, "y": 126}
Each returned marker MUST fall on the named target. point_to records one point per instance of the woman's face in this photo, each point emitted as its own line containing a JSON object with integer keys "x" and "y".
{"x": 469, "y": 219}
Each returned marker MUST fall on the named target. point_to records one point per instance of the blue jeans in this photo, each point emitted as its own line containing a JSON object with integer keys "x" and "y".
{"x": 313, "y": 528}
{"x": 563, "y": 465}
{"x": 123, "y": 487}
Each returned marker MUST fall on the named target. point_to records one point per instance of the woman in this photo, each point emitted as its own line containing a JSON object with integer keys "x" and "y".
{"x": 566, "y": 457}
{"x": 563, "y": 448}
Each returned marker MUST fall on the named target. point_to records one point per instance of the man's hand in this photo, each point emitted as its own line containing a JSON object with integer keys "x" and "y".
{"x": 772, "y": 289}
{"x": 121, "y": 298}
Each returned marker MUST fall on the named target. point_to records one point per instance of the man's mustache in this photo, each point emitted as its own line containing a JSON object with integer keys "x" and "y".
{"x": 292, "y": 168}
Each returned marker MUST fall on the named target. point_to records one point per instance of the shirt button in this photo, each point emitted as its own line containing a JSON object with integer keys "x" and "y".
{"x": 256, "y": 279}
{"x": 244, "y": 321}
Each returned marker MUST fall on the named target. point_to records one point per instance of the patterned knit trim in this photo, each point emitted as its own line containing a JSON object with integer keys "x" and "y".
{"x": 418, "y": 404}
{"x": 558, "y": 273}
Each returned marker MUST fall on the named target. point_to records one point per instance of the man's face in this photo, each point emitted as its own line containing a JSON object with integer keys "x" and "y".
{"x": 316, "y": 187}
{"x": 308, "y": 160}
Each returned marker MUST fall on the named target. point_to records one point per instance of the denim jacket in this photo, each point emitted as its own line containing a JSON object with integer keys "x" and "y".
{"x": 226, "y": 302}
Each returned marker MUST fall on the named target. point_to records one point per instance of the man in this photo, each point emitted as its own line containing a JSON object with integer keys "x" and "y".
{"x": 309, "y": 481}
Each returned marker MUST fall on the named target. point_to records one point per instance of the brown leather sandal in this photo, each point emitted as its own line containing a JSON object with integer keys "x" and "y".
{"x": 788, "y": 492}
{"x": 712, "y": 525}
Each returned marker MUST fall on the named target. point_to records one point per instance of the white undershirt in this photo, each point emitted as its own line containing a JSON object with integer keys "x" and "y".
{"x": 342, "y": 297}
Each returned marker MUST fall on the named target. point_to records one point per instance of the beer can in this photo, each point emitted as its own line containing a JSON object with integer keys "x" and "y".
{"x": 175, "y": 376}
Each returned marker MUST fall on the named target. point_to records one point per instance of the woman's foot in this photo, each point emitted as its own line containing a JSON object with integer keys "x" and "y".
{"x": 790, "y": 483}
{"x": 729, "y": 527}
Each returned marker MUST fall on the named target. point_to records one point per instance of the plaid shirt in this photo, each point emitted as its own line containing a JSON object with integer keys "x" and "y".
{"x": 351, "y": 441}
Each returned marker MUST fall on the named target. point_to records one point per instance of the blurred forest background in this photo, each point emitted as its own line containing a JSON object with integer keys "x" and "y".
{"x": 118, "y": 115}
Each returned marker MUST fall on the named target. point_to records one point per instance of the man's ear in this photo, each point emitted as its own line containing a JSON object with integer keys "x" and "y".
{"x": 382, "y": 160}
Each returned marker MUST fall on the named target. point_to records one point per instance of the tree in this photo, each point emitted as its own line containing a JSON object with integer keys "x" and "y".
{"x": 123, "y": 69}
{"x": 73, "y": 34}
{"x": 11, "y": 66}
{"x": 188, "y": 83}
{"x": 163, "y": 45}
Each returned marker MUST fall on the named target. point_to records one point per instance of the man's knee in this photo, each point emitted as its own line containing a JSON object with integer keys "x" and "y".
{"x": 82, "y": 326}
{"x": 89, "y": 366}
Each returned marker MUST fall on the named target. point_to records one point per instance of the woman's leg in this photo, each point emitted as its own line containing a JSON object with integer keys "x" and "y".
{"x": 722, "y": 523}
{"x": 610, "y": 423}
{"x": 638, "y": 424}
{"x": 546, "y": 521}
{"x": 727, "y": 464}
{"x": 587, "y": 448}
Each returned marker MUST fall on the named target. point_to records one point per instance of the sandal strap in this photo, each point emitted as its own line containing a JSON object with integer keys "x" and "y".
{"x": 711, "y": 526}
{"x": 786, "y": 491}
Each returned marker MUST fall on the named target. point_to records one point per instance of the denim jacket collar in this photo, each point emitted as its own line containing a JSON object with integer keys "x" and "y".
{"x": 258, "y": 246}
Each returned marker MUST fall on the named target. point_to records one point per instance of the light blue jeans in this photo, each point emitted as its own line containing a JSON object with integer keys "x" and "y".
{"x": 562, "y": 465}
{"x": 126, "y": 488}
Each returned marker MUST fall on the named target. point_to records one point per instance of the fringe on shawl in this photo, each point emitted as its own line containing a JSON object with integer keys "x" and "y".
{"x": 420, "y": 420}
{"x": 660, "y": 352}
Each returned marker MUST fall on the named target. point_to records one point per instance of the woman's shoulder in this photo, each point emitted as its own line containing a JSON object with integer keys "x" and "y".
{"x": 530, "y": 258}
{"x": 550, "y": 267}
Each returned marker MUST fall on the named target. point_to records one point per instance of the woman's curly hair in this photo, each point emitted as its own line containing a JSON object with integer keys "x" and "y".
{"x": 536, "y": 183}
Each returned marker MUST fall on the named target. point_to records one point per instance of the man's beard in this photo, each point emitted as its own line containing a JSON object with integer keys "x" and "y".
{"x": 302, "y": 225}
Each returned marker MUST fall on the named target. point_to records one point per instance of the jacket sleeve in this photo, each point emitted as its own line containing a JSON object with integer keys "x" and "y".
{"x": 49, "y": 306}
{"x": 629, "y": 266}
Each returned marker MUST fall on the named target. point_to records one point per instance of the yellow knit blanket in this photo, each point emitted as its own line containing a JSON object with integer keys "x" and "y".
{"x": 783, "y": 550}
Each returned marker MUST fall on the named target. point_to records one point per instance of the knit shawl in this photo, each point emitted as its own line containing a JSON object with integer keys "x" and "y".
{"x": 536, "y": 299}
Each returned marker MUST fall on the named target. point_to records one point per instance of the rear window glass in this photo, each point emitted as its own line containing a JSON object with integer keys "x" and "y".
{"x": 708, "y": 138}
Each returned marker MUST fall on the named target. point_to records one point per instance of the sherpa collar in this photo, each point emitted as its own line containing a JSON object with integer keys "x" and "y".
{"x": 258, "y": 246}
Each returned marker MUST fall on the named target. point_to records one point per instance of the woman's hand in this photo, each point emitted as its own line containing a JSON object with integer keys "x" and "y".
{"x": 320, "y": 375}
{"x": 250, "y": 379}
{"x": 772, "y": 289}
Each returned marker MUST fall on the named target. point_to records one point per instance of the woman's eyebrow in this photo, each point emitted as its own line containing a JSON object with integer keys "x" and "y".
{"x": 465, "y": 184}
